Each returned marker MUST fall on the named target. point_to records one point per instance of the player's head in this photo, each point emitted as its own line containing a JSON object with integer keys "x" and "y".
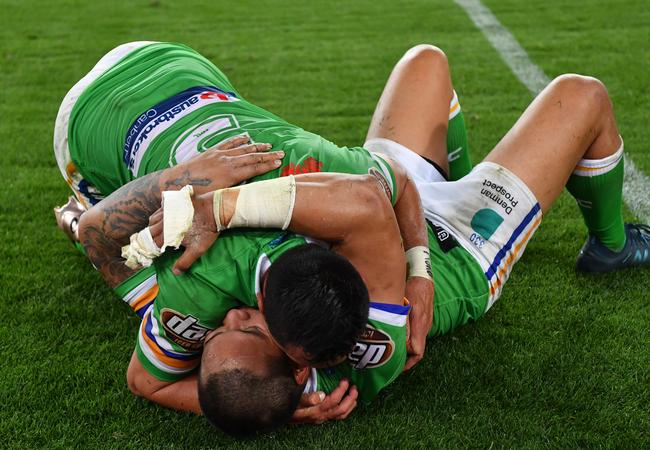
{"x": 315, "y": 304}
{"x": 246, "y": 382}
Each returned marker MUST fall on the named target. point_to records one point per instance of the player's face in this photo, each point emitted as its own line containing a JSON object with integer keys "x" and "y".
{"x": 242, "y": 340}
{"x": 245, "y": 330}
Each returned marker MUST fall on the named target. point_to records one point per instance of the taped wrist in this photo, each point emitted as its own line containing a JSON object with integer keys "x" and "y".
{"x": 419, "y": 262}
{"x": 141, "y": 250}
{"x": 178, "y": 215}
{"x": 177, "y": 220}
{"x": 263, "y": 204}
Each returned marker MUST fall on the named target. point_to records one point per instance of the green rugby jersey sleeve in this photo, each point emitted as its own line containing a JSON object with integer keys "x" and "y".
{"x": 187, "y": 307}
{"x": 377, "y": 359}
{"x": 158, "y": 352}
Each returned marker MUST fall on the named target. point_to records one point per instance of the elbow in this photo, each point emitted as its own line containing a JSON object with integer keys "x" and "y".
{"x": 133, "y": 384}
{"x": 85, "y": 225}
{"x": 375, "y": 196}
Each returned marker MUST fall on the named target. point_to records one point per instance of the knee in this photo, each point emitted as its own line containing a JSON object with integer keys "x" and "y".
{"x": 426, "y": 57}
{"x": 582, "y": 91}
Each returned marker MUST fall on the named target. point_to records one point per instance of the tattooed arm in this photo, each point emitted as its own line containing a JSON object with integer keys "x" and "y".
{"x": 107, "y": 226}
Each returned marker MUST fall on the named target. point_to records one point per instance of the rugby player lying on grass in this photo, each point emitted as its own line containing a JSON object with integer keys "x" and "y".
{"x": 416, "y": 108}
{"x": 115, "y": 89}
{"x": 483, "y": 222}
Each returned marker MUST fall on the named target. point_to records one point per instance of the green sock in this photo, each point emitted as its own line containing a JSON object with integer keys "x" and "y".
{"x": 597, "y": 186}
{"x": 457, "y": 147}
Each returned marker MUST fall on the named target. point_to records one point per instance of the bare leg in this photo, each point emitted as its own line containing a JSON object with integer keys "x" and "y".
{"x": 570, "y": 120}
{"x": 414, "y": 107}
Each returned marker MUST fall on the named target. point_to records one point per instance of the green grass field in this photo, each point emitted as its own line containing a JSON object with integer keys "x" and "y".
{"x": 561, "y": 361}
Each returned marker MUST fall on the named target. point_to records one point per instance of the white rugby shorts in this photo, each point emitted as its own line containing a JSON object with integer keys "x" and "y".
{"x": 491, "y": 212}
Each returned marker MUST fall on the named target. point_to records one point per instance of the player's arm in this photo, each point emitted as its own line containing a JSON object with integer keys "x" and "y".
{"x": 107, "y": 226}
{"x": 345, "y": 210}
{"x": 351, "y": 212}
{"x": 180, "y": 395}
{"x": 420, "y": 284}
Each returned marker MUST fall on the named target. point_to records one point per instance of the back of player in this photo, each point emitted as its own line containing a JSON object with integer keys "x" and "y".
{"x": 148, "y": 106}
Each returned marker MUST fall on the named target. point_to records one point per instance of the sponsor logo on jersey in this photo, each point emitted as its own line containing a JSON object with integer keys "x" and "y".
{"x": 372, "y": 349}
{"x": 162, "y": 116}
{"x": 485, "y": 222}
{"x": 309, "y": 165}
{"x": 202, "y": 136}
{"x": 499, "y": 195}
{"x": 183, "y": 330}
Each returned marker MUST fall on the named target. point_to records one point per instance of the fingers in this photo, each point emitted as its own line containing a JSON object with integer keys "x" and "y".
{"x": 312, "y": 399}
{"x": 233, "y": 142}
{"x": 156, "y": 227}
{"x": 252, "y": 158}
{"x": 157, "y": 216}
{"x": 415, "y": 348}
{"x": 185, "y": 261}
{"x": 337, "y": 406}
{"x": 347, "y": 405}
{"x": 337, "y": 394}
{"x": 246, "y": 149}
{"x": 248, "y": 166}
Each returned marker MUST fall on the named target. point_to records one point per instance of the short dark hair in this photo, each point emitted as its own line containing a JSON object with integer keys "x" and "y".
{"x": 242, "y": 404}
{"x": 316, "y": 300}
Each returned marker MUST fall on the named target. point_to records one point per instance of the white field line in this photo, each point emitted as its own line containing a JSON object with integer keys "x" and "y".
{"x": 636, "y": 189}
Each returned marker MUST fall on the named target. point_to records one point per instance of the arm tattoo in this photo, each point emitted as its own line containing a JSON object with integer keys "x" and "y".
{"x": 124, "y": 212}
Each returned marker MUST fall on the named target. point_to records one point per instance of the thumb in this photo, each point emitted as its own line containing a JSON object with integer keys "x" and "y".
{"x": 316, "y": 398}
{"x": 313, "y": 399}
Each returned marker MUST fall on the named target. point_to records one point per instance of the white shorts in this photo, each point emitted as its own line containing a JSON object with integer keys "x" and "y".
{"x": 491, "y": 212}
{"x": 84, "y": 192}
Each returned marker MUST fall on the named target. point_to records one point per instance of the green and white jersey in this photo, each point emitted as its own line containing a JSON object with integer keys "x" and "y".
{"x": 460, "y": 297}
{"x": 460, "y": 291}
{"x": 377, "y": 359}
{"x": 178, "y": 311}
{"x": 164, "y": 103}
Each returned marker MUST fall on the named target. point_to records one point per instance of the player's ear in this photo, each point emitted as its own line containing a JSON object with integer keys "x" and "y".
{"x": 301, "y": 374}
{"x": 260, "y": 302}
{"x": 260, "y": 296}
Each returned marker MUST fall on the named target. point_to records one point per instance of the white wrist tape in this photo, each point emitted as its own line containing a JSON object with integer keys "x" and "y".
{"x": 141, "y": 251}
{"x": 177, "y": 219}
{"x": 419, "y": 262}
{"x": 178, "y": 216}
{"x": 263, "y": 204}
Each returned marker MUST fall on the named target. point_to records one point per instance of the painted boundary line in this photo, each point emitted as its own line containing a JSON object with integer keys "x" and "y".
{"x": 636, "y": 188}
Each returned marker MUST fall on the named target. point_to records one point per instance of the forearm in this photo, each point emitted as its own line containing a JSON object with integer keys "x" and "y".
{"x": 181, "y": 395}
{"x": 410, "y": 217}
{"x": 330, "y": 207}
{"x": 107, "y": 226}
{"x": 351, "y": 212}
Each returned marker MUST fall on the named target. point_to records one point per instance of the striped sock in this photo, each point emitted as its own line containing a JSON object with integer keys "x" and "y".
{"x": 457, "y": 147}
{"x": 597, "y": 186}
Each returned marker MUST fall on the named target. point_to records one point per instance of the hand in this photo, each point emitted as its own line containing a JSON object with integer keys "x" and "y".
{"x": 225, "y": 165}
{"x": 198, "y": 239}
{"x": 318, "y": 408}
{"x": 419, "y": 292}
